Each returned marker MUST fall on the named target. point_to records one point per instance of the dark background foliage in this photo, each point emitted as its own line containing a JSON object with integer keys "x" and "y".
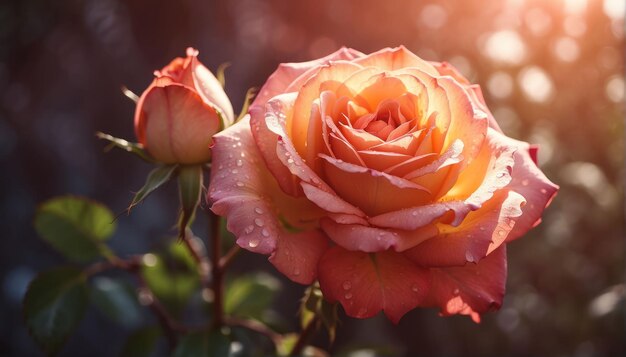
{"x": 552, "y": 72}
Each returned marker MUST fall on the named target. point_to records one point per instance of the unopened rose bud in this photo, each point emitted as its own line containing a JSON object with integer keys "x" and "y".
{"x": 177, "y": 116}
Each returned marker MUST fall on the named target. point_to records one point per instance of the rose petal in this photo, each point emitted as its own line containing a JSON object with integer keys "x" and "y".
{"x": 178, "y": 124}
{"x": 359, "y": 237}
{"x": 419, "y": 216}
{"x": 481, "y": 232}
{"x": 395, "y": 58}
{"x": 296, "y": 73}
{"x": 365, "y": 283}
{"x": 472, "y": 289}
{"x": 245, "y": 193}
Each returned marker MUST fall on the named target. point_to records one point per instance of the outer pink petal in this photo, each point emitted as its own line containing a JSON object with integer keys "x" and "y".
{"x": 472, "y": 289}
{"x": 419, "y": 216}
{"x": 175, "y": 124}
{"x": 365, "y": 283}
{"x": 358, "y": 237}
{"x": 536, "y": 188}
{"x": 395, "y": 58}
{"x": 292, "y": 73}
{"x": 481, "y": 232}
{"x": 243, "y": 191}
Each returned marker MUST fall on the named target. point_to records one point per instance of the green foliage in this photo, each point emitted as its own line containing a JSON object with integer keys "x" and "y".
{"x": 172, "y": 275}
{"x": 313, "y": 304}
{"x": 190, "y": 187}
{"x": 75, "y": 226}
{"x": 202, "y": 345}
{"x": 141, "y": 343}
{"x": 156, "y": 178}
{"x": 125, "y": 145}
{"x": 251, "y": 295}
{"x": 54, "y": 305}
{"x": 116, "y": 299}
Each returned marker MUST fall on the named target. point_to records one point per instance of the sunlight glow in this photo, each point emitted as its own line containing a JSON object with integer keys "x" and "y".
{"x": 536, "y": 84}
{"x": 505, "y": 46}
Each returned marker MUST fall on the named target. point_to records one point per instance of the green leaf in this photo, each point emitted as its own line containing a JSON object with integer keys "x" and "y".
{"x": 54, "y": 305}
{"x": 313, "y": 304}
{"x": 250, "y": 295}
{"x": 141, "y": 343}
{"x": 156, "y": 178}
{"x": 219, "y": 74}
{"x": 117, "y": 300}
{"x": 250, "y": 94}
{"x": 190, "y": 188}
{"x": 172, "y": 275}
{"x": 200, "y": 345}
{"x": 286, "y": 344}
{"x": 133, "y": 148}
{"x": 76, "y": 227}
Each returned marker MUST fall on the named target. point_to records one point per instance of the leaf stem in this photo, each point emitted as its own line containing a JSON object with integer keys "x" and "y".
{"x": 216, "y": 270}
{"x": 304, "y": 337}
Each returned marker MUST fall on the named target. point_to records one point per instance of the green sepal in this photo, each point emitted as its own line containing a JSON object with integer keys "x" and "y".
{"x": 250, "y": 94}
{"x": 220, "y": 73}
{"x": 190, "y": 188}
{"x": 54, "y": 304}
{"x": 156, "y": 178}
{"x": 133, "y": 148}
{"x": 76, "y": 227}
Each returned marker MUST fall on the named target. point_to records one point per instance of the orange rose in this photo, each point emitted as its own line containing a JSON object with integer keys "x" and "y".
{"x": 181, "y": 110}
{"x": 384, "y": 177}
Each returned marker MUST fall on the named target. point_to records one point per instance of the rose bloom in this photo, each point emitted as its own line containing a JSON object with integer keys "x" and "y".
{"x": 383, "y": 176}
{"x": 177, "y": 116}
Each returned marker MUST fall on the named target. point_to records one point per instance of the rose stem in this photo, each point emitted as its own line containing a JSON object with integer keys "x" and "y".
{"x": 201, "y": 260}
{"x": 216, "y": 269}
{"x": 228, "y": 257}
{"x": 304, "y": 337}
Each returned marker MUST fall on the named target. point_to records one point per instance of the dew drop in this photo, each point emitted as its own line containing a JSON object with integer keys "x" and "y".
{"x": 258, "y": 210}
{"x": 315, "y": 180}
{"x": 456, "y": 292}
{"x": 501, "y": 233}
{"x": 239, "y": 184}
{"x": 469, "y": 256}
{"x": 290, "y": 161}
{"x": 265, "y": 233}
{"x": 414, "y": 213}
{"x": 348, "y": 296}
{"x": 239, "y": 163}
{"x": 414, "y": 288}
{"x": 253, "y": 243}
{"x": 525, "y": 182}
{"x": 543, "y": 190}
{"x": 482, "y": 228}
{"x": 249, "y": 229}
{"x": 362, "y": 312}
{"x": 296, "y": 272}
{"x": 234, "y": 171}
{"x": 259, "y": 222}
{"x": 347, "y": 285}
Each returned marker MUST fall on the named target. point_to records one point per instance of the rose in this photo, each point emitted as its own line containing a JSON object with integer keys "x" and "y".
{"x": 177, "y": 116}
{"x": 383, "y": 176}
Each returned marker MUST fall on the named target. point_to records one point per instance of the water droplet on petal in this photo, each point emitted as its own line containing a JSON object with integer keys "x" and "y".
{"x": 253, "y": 243}
{"x": 258, "y": 210}
{"x": 456, "y": 291}
{"x": 239, "y": 184}
{"x": 414, "y": 288}
{"x": 543, "y": 190}
{"x": 259, "y": 222}
{"x": 501, "y": 233}
{"x": 234, "y": 171}
{"x": 265, "y": 233}
{"x": 249, "y": 229}
{"x": 525, "y": 182}
{"x": 414, "y": 213}
{"x": 347, "y": 285}
{"x": 296, "y": 272}
{"x": 290, "y": 161}
{"x": 348, "y": 296}
{"x": 239, "y": 163}
{"x": 362, "y": 312}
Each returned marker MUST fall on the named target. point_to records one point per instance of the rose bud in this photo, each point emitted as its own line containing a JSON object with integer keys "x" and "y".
{"x": 384, "y": 177}
{"x": 177, "y": 116}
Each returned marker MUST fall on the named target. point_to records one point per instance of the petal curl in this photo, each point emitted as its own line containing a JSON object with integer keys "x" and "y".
{"x": 243, "y": 191}
{"x": 472, "y": 289}
{"x": 293, "y": 74}
{"x": 396, "y": 58}
{"x": 366, "y": 283}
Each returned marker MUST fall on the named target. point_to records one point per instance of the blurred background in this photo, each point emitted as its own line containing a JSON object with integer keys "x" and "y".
{"x": 552, "y": 72}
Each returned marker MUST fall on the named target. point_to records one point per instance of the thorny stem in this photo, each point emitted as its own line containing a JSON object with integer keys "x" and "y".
{"x": 216, "y": 270}
{"x": 304, "y": 337}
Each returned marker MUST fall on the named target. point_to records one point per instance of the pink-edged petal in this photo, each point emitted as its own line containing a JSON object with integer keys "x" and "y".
{"x": 419, "y": 216}
{"x": 371, "y": 190}
{"x": 331, "y": 75}
{"x": 209, "y": 88}
{"x": 178, "y": 124}
{"x": 243, "y": 191}
{"x": 329, "y": 201}
{"x": 481, "y": 232}
{"x": 472, "y": 289}
{"x": 358, "y": 237}
{"x": 297, "y": 255}
{"x": 267, "y": 140}
{"x": 395, "y": 58}
{"x": 534, "y": 186}
{"x": 366, "y": 283}
{"x": 293, "y": 73}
